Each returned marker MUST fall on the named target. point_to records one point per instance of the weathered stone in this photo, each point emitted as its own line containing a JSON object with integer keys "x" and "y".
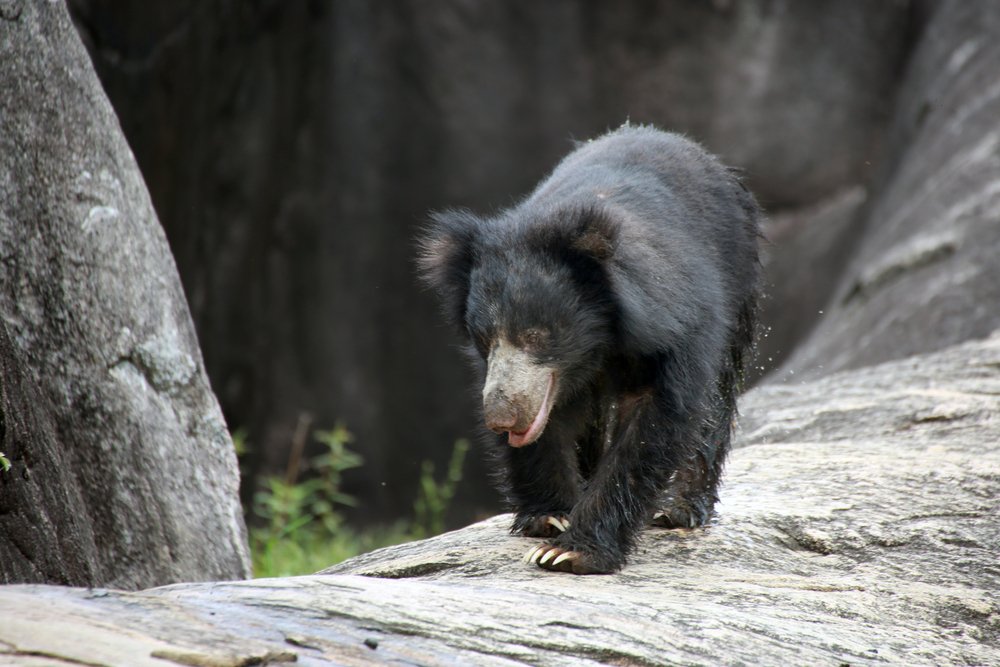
{"x": 123, "y": 472}
{"x": 804, "y": 252}
{"x": 858, "y": 525}
{"x": 925, "y": 273}
{"x": 293, "y": 148}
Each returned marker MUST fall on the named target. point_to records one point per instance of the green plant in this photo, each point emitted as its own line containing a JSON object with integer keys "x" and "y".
{"x": 302, "y": 528}
{"x": 433, "y": 497}
{"x": 4, "y": 462}
{"x": 239, "y": 437}
{"x": 330, "y": 466}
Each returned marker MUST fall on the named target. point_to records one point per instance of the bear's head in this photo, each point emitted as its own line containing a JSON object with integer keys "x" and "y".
{"x": 531, "y": 295}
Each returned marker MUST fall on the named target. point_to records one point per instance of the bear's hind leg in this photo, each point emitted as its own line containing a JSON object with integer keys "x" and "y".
{"x": 690, "y": 496}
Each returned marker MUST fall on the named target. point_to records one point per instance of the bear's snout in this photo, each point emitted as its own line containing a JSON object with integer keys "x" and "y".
{"x": 518, "y": 394}
{"x": 500, "y": 412}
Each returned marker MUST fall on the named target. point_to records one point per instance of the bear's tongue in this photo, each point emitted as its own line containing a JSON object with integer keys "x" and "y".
{"x": 538, "y": 424}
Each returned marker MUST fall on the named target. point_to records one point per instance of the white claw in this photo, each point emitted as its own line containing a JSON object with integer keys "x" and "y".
{"x": 529, "y": 554}
{"x": 538, "y": 552}
{"x": 547, "y": 557}
{"x": 566, "y": 555}
{"x": 559, "y": 524}
{"x": 657, "y": 515}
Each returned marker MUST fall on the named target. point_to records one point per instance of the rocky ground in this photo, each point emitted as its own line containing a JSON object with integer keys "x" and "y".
{"x": 858, "y": 526}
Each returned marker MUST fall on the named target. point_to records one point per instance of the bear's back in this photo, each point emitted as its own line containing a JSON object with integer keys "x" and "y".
{"x": 685, "y": 225}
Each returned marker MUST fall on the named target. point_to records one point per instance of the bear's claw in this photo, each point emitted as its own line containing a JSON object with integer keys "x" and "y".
{"x": 681, "y": 515}
{"x": 558, "y": 559}
{"x": 541, "y": 525}
{"x": 559, "y": 523}
{"x": 533, "y": 553}
{"x": 566, "y": 555}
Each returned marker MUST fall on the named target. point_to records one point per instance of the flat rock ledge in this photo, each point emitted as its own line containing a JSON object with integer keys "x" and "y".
{"x": 859, "y": 526}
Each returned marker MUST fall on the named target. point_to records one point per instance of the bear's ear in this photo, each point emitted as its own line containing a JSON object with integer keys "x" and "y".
{"x": 576, "y": 234}
{"x": 594, "y": 235}
{"x": 447, "y": 250}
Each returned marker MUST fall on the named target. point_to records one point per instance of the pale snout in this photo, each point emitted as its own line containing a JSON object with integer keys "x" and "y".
{"x": 500, "y": 412}
{"x": 518, "y": 395}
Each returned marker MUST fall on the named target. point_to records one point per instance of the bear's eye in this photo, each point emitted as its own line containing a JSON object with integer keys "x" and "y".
{"x": 533, "y": 339}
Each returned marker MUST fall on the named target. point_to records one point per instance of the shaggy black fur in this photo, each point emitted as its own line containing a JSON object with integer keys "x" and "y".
{"x": 632, "y": 270}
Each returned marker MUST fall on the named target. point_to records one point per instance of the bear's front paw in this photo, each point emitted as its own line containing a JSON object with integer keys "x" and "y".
{"x": 540, "y": 525}
{"x": 559, "y": 559}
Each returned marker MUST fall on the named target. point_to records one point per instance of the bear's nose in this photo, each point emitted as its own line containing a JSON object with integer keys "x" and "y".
{"x": 500, "y": 413}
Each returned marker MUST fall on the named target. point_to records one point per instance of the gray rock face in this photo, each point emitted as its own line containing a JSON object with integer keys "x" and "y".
{"x": 858, "y": 525}
{"x": 293, "y": 148}
{"x": 926, "y": 272}
{"x": 123, "y": 470}
{"x": 804, "y": 252}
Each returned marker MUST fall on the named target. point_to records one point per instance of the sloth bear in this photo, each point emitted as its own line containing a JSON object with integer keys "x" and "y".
{"x": 611, "y": 313}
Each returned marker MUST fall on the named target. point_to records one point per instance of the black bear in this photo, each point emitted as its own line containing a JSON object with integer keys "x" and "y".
{"x": 611, "y": 313}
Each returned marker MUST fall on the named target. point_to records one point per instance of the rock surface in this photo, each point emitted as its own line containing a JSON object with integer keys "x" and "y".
{"x": 293, "y": 148}
{"x": 858, "y": 525}
{"x": 926, "y": 274}
{"x": 121, "y": 460}
{"x": 820, "y": 237}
